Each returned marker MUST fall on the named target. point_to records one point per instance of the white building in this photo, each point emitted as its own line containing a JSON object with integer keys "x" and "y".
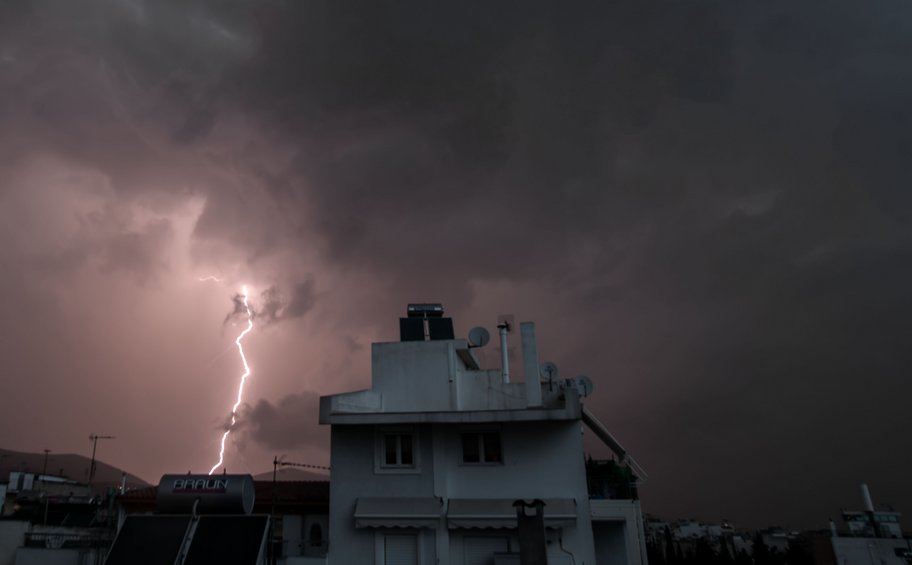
{"x": 428, "y": 463}
{"x": 874, "y": 537}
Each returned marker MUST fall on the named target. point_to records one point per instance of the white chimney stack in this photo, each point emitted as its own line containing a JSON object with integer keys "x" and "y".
{"x": 504, "y": 327}
{"x": 866, "y": 494}
{"x": 530, "y": 364}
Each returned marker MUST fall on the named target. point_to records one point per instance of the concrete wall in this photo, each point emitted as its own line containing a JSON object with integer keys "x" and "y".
{"x": 413, "y": 375}
{"x": 428, "y": 376}
{"x": 12, "y": 535}
{"x": 869, "y": 551}
{"x": 40, "y": 556}
{"x": 353, "y": 463}
{"x": 606, "y": 514}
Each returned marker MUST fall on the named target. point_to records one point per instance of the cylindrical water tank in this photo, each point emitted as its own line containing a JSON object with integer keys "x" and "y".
{"x": 217, "y": 494}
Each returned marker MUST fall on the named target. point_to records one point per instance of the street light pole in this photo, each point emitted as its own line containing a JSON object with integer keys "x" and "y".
{"x": 95, "y": 438}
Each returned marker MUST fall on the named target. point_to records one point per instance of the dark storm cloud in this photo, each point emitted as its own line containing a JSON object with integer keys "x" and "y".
{"x": 276, "y": 306}
{"x": 709, "y": 200}
{"x": 238, "y": 309}
{"x": 287, "y": 424}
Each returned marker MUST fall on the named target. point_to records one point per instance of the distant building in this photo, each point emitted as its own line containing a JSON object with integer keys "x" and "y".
{"x": 429, "y": 463}
{"x": 873, "y": 538}
{"x": 51, "y": 519}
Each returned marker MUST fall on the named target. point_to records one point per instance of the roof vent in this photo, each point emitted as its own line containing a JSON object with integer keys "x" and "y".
{"x": 425, "y": 322}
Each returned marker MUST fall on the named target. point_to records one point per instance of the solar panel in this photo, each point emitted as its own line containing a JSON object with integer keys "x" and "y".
{"x": 228, "y": 540}
{"x": 149, "y": 540}
{"x": 411, "y": 329}
{"x": 440, "y": 328}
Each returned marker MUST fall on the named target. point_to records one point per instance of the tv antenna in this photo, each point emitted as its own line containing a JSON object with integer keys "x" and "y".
{"x": 479, "y": 337}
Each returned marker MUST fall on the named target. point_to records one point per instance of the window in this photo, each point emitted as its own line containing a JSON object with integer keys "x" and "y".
{"x": 396, "y": 450}
{"x": 481, "y": 447}
{"x": 398, "y": 549}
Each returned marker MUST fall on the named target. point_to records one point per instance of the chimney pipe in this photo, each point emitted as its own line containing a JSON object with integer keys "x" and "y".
{"x": 530, "y": 364}
{"x": 869, "y": 509}
{"x": 866, "y": 494}
{"x": 504, "y": 327}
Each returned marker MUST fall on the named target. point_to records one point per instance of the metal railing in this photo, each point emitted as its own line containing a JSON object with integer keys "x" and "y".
{"x": 57, "y": 540}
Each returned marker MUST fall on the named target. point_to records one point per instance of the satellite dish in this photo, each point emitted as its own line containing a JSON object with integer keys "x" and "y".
{"x": 478, "y": 337}
{"x": 548, "y": 370}
{"x": 583, "y": 385}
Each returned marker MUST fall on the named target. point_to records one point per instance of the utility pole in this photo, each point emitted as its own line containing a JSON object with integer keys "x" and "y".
{"x": 95, "y": 438}
{"x": 272, "y": 551}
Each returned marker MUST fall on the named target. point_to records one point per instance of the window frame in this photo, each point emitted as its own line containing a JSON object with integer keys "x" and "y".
{"x": 480, "y": 434}
{"x": 380, "y": 435}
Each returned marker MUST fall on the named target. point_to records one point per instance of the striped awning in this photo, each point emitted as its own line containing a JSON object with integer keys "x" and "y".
{"x": 400, "y": 512}
{"x": 500, "y": 513}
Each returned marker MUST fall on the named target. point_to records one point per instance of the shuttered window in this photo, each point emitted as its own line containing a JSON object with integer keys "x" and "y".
{"x": 400, "y": 549}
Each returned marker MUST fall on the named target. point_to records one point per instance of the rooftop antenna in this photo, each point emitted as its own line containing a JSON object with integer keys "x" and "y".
{"x": 95, "y": 438}
{"x": 479, "y": 337}
{"x": 548, "y": 370}
{"x": 504, "y": 324}
{"x": 583, "y": 385}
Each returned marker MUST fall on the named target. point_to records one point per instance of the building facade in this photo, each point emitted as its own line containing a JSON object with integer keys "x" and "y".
{"x": 429, "y": 463}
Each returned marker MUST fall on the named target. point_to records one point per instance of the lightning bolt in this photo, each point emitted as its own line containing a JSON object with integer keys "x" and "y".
{"x": 209, "y": 278}
{"x": 246, "y": 374}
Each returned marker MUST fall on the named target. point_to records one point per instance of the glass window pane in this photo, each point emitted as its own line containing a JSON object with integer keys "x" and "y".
{"x": 470, "y": 452}
{"x": 492, "y": 448}
{"x": 389, "y": 446}
{"x": 405, "y": 443}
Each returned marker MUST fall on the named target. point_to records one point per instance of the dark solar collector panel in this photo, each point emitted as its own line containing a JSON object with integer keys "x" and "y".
{"x": 149, "y": 540}
{"x": 411, "y": 329}
{"x": 227, "y": 540}
{"x": 440, "y": 328}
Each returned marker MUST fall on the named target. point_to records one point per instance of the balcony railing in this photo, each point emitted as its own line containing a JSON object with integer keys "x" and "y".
{"x": 55, "y": 540}
{"x": 607, "y": 479}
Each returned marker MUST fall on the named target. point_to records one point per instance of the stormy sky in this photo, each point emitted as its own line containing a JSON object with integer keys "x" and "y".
{"x": 704, "y": 206}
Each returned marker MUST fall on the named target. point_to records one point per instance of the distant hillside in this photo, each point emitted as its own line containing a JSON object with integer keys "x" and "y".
{"x": 292, "y": 474}
{"x": 69, "y": 465}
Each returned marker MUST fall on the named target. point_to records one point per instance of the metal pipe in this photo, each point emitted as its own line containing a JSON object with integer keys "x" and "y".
{"x": 603, "y": 434}
{"x": 866, "y": 494}
{"x": 869, "y": 509}
{"x": 504, "y": 328}
{"x": 95, "y": 438}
